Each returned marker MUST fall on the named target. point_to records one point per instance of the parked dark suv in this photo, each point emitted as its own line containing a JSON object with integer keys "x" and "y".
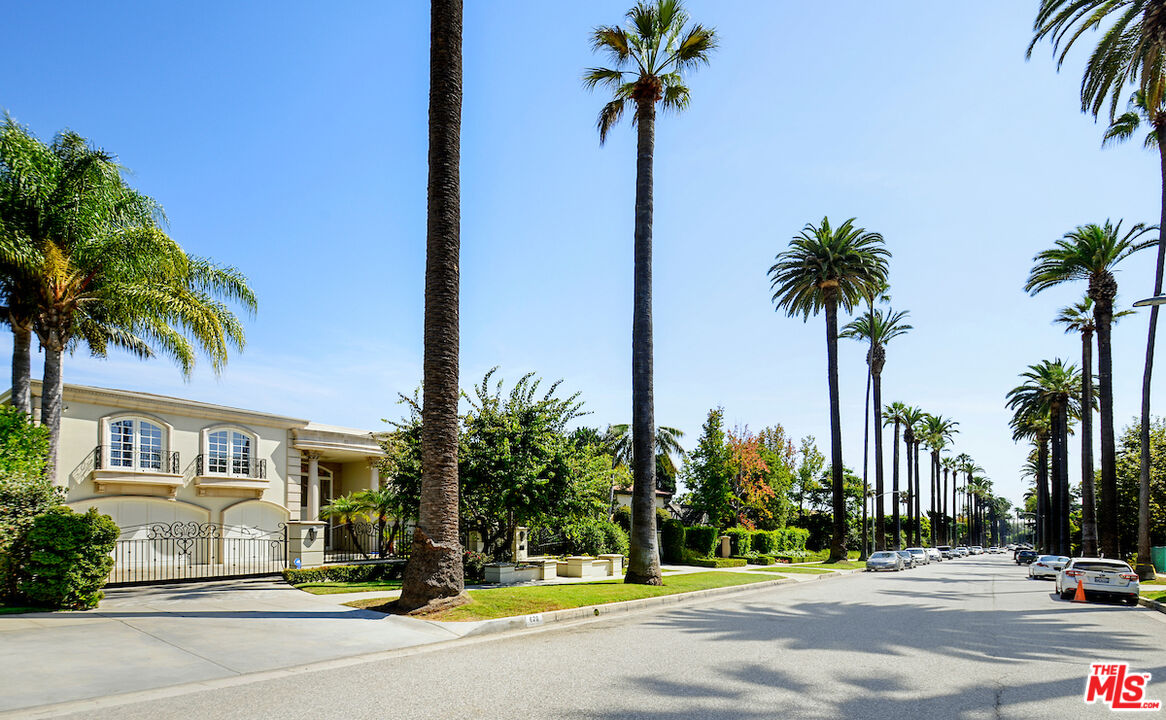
{"x": 1025, "y": 557}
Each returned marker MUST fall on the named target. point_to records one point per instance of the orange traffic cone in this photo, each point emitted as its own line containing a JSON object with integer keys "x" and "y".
{"x": 1080, "y": 596}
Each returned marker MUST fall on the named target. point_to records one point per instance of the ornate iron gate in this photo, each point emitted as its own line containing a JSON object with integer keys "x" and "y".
{"x": 180, "y": 551}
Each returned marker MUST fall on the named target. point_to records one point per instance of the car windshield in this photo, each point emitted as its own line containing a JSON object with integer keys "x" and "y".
{"x": 882, "y": 556}
{"x": 1053, "y": 558}
{"x": 904, "y": 553}
{"x": 1101, "y": 566}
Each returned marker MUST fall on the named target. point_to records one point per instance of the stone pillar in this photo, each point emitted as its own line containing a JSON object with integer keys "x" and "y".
{"x": 726, "y": 546}
{"x": 305, "y": 542}
{"x": 313, "y": 487}
{"x": 374, "y": 474}
{"x": 521, "y": 543}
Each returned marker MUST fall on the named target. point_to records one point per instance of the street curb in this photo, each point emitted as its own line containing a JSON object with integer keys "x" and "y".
{"x": 1152, "y": 604}
{"x": 526, "y": 622}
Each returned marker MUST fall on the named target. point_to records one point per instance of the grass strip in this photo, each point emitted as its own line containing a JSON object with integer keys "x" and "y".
{"x": 792, "y": 570}
{"x": 335, "y": 588}
{"x": 492, "y": 603}
{"x": 18, "y": 609}
{"x": 1159, "y": 595}
{"x": 841, "y": 565}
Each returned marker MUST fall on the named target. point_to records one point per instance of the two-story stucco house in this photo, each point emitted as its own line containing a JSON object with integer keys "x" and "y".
{"x": 150, "y": 461}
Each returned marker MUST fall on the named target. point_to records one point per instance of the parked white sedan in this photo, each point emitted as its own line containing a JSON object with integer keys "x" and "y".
{"x": 1047, "y": 566}
{"x": 1100, "y": 578}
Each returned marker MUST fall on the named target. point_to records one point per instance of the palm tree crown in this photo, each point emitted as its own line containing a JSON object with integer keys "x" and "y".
{"x": 1088, "y": 253}
{"x": 845, "y": 264}
{"x": 649, "y": 58}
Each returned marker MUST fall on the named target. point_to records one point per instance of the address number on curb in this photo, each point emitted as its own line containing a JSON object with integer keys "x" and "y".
{"x": 533, "y": 620}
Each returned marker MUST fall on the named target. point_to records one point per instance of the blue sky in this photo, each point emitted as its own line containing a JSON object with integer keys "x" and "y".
{"x": 289, "y": 140}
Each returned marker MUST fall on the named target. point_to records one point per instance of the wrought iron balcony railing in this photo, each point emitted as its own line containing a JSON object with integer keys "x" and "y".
{"x": 109, "y": 457}
{"x": 230, "y": 467}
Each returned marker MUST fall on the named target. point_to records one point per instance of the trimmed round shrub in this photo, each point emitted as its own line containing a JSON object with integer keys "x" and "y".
{"x": 672, "y": 537}
{"x": 701, "y": 539}
{"x": 68, "y": 558}
{"x": 596, "y": 537}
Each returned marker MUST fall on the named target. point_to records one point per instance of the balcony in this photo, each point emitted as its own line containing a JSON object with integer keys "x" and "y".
{"x": 153, "y": 472}
{"x": 243, "y": 478}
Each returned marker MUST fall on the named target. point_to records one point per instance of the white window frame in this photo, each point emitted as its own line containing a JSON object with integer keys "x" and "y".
{"x": 136, "y": 444}
{"x": 232, "y": 431}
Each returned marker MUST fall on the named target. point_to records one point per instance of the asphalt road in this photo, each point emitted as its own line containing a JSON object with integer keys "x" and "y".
{"x": 970, "y": 638}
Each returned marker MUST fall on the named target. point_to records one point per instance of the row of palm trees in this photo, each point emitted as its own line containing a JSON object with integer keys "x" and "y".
{"x": 85, "y": 261}
{"x": 1131, "y": 52}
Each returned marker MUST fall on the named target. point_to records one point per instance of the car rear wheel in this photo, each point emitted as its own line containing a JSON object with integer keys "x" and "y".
{"x": 1131, "y": 600}
{"x": 1068, "y": 594}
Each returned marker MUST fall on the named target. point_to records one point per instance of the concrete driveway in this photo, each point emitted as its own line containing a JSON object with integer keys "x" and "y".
{"x": 151, "y": 637}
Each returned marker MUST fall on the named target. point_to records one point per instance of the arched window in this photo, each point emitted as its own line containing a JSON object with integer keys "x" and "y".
{"x": 230, "y": 452}
{"x": 136, "y": 444}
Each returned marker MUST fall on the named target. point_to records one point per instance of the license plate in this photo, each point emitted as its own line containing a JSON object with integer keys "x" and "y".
{"x": 1101, "y": 579}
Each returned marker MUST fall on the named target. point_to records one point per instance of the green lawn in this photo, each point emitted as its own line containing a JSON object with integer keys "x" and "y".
{"x": 1159, "y": 595}
{"x": 334, "y": 588}
{"x": 792, "y": 570}
{"x": 843, "y": 565}
{"x": 507, "y": 602}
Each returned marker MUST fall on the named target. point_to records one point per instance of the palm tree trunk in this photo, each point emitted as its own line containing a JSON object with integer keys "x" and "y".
{"x": 838, "y": 541}
{"x": 936, "y": 523}
{"x": 1042, "y": 493}
{"x": 1107, "y": 525}
{"x": 1088, "y": 500}
{"x": 865, "y": 447}
{"x": 918, "y": 493}
{"x": 895, "y": 491}
{"x": 21, "y": 365}
{"x": 643, "y": 560}
{"x": 434, "y": 571}
{"x": 943, "y": 511}
{"x": 880, "y": 516}
{"x": 910, "y": 538}
{"x": 1144, "y": 569}
{"x": 50, "y": 404}
{"x": 1055, "y": 484}
{"x": 1063, "y": 481}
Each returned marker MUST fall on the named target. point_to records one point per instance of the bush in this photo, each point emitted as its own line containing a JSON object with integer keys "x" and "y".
{"x": 701, "y": 539}
{"x": 66, "y": 558}
{"x": 672, "y": 536}
{"x": 761, "y": 560}
{"x": 369, "y": 572}
{"x": 739, "y": 538}
{"x": 718, "y": 562}
{"x": 623, "y": 517}
{"x": 474, "y": 566}
{"x": 596, "y": 537}
{"x": 763, "y": 541}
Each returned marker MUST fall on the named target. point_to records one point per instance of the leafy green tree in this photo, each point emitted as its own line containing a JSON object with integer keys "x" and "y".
{"x": 1090, "y": 253}
{"x": 877, "y": 328}
{"x": 708, "y": 473}
{"x": 26, "y": 491}
{"x": 780, "y": 458}
{"x": 805, "y": 485}
{"x": 435, "y": 573}
{"x": 1129, "y": 483}
{"x": 649, "y": 58}
{"x": 826, "y": 268}
{"x": 1131, "y": 52}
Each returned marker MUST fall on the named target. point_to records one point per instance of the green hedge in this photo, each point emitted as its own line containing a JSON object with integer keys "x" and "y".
{"x": 672, "y": 537}
{"x": 765, "y": 541}
{"x": 739, "y": 540}
{"x": 701, "y": 539}
{"x": 596, "y": 537}
{"x": 761, "y": 560}
{"x": 67, "y": 558}
{"x": 345, "y": 573}
{"x": 717, "y": 562}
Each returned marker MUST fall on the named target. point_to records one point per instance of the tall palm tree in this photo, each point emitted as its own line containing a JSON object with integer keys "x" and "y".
{"x": 894, "y": 415}
{"x": 1132, "y": 51}
{"x": 1033, "y": 422}
{"x": 912, "y": 427}
{"x": 649, "y": 59}
{"x": 878, "y": 328}
{"x": 960, "y": 463}
{"x": 1090, "y": 253}
{"x": 1053, "y": 387}
{"x": 949, "y": 467}
{"x": 1078, "y": 318}
{"x": 84, "y": 259}
{"x": 938, "y": 432}
{"x": 433, "y": 575}
{"x": 1122, "y": 128}
{"x": 825, "y": 268}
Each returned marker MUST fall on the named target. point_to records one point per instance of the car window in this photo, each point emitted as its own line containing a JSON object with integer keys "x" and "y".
{"x": 1101, "y": 566}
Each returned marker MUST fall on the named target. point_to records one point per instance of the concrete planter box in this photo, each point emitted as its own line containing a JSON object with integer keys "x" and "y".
{"x": 505, "y": 573}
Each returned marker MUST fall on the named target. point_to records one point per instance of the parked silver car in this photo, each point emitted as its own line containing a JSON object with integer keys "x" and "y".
{"x": 920, "y": 555}
{"x": 1047, "y": 566}
{"x": 1099, "y": 578}
{"x": 934, "y": 555}
{"x": 908, "y": 558}
{"x": 884, "y": 560}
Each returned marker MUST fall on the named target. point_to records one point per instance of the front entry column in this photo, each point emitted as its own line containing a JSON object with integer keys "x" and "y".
{"x": 313, "y": 486}
{"x": 374, "y": 474}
